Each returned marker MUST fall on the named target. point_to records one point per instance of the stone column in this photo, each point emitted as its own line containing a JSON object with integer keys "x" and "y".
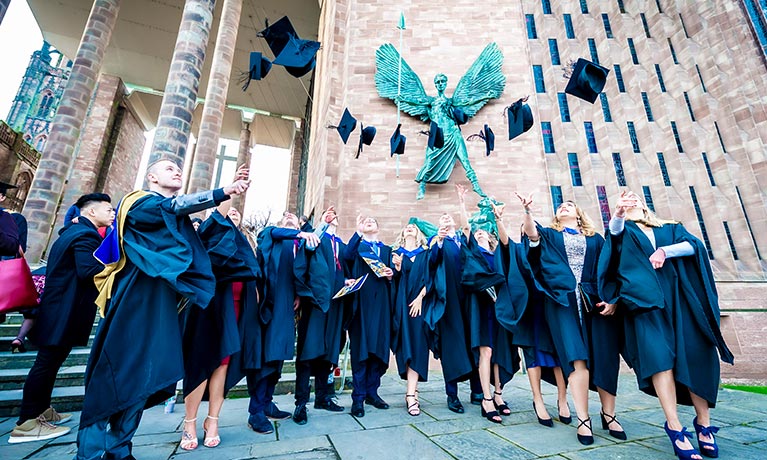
{"x": 56, "y": 161}
{"x": 215, "y": 97}
{"x": 3, "y": 8}
{"x": 175, "y": 122}
{"x": 243, "y": 158}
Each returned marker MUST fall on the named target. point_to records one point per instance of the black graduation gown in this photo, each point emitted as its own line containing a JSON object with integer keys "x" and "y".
{"x": 277, "y": 248}
{"x": 671, "y": 314}
{"x": 446, "y": 313}
{"x": 212, "y": 334}
{"x": 137, "y": 354}
{"x": 67, "y": 309}
{"x": 319, "y": 275}
{"x": 410, "y": 341}
{"x": 491, "y": 322}
{"x": 371, "y": 306}
{"x": 9, "y": 235}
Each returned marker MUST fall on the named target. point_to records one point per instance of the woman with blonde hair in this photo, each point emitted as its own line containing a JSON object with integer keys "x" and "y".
{"x": 660, "y": 277}
{"x": 410, "y": 341}
{"x": 564, "y": 258}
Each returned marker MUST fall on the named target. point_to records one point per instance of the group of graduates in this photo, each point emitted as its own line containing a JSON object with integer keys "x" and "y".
{"x": 199, "y": 304}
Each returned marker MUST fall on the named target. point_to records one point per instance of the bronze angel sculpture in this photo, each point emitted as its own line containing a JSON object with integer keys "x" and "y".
{"x": 483, "y": 81}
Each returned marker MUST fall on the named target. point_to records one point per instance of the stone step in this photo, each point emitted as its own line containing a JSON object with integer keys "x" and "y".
{"x": 10, "y": 331}
{"x": 5, "y": 343}
{"x": 68, "y": 399}
{"x": 8, "y": 360}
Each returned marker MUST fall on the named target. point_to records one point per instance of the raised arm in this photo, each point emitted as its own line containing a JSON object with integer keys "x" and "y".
{"x": 463, "y": 221}
{"x": 243, "y": 173}
{"x": 503, "y": 237}
{"x": 528, "y": 223}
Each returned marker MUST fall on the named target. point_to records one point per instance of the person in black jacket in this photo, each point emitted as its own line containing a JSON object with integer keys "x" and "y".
{"x": 65, "y": 316}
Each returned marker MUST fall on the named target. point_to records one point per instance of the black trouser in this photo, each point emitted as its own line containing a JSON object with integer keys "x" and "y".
{"x": 451, "y": 388}
{"x": 320, "y": 369}
{"x": 40, "y": 381}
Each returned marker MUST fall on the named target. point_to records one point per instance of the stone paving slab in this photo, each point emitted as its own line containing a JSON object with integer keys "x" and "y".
{"x": 436, "y": 434}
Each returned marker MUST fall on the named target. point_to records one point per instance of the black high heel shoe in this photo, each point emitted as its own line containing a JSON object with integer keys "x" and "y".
{"x": 17, "y": 346}
{"x": 566, "y": 420}
{"x": 713, "y": 451}
{"x": 585, "y": 439}
{"x": 606, "y": 421}
{"x": 502, "y": 408}
{"x": 492, "y": 414}
{"x": 543, "y": 421}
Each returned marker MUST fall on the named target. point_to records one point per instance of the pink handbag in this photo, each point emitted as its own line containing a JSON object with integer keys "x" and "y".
{"x": 17, "y": 289}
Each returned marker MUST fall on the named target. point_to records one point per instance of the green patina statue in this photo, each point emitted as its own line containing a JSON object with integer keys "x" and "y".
{"x": 483, "y": 81}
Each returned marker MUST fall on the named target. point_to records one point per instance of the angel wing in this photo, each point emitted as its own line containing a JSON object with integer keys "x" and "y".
{"x": 483, "y": 81}
{"x": 413, "y": 98}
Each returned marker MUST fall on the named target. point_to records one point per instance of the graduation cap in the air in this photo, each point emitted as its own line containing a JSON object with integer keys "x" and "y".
{"x": 486, "y": 135}
{"x": 436, "y": 136}
{"x": 397, "y": 142}
{"x": 587, "y": 80}
{"x": 295, "y": 54}
{"x": 460, "y": 116}
{"x": 520, "y": 118}
{"x": 346, "y": 126}
{"x": 5, "y": 187}
{"x": 258, "y": 68}
{"x": 367, "y": 134}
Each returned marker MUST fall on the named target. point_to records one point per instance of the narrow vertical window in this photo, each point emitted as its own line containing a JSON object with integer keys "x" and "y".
{"x": 564, "y": 110}
{"x": 546, "y": 4}
{"x": 540, "y": 86}
{"x": 648, "y": 198}
{"x": 676, "y": 137}
{"x": 689, "y": 106}
{"x": 604, "y": 205}
{"x": 657, "y": 3}
{"x": 590, "y": 137}
{"x": 569, "y": 30}
{"x": 556, "y": 196}
{"x": 621, "y": 7}
{"x": 700, "y": 77}
{"x": 618, "y": 164}
{"x": 673, "y": 53}
{"x": 647, "y": 108}
{"x": 593, "y": 51}
{"x": 554, "y": 50}
{"x": 530, "y": 22}
{"x": 575, "y": 170}
{"x": 719, "y": 134}
{"x": 584, "y": 7}
{"x": 644, "y": 25}
{"x": 663, "y": 170}
{"x": 633, "y": 51}
{"x": 633, "y": 136}
{"x": 548, "y": 138}
{"x": 606, "y": 23}
{"x": 748, "y": 223}
{"x": 619, "y": 78}
{"x": 708, "y": 169}
{"x": 729, "y": 239}
{"x": 702, "y": 224}
{"x": 605, "y": 108}
{"x": 684, "y": 28}
{"x": 660, "y": 78}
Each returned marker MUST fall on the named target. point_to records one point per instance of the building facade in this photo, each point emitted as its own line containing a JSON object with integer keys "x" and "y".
{"x": 39, "y": 94}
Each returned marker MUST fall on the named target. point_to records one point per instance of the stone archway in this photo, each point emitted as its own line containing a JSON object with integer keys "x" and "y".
{"x": 23, "y": 182}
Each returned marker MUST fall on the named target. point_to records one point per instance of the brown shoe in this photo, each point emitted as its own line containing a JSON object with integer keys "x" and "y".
{"x": 36, "y": 430}
{"x": 51, "y": 416}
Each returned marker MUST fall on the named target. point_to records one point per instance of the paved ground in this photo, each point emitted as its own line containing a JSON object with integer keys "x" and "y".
{"x": 436, "y": 434}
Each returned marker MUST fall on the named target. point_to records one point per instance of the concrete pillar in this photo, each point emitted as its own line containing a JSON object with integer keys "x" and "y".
{"x": 243, "y": 158}
{"x": 3, "y": 8}
{"x": 56, "y": 161}
{"x": 175, "y": 122}
{"x": 215, "y": 97}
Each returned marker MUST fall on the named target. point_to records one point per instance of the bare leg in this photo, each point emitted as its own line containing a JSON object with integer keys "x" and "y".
{"x": 485, "y": 355}
{"x": 534, "y": 375}
{"x": 216, "y": 393}
{"x": 411, "y": 397}
{"x": 579, "y": 389}
{"x": 608, "y": 408}
{"x": 703, "y": 416}
{"x": 562, "y": 407}
{"x": 498, "y": 393}
{"x": 664, "y": 385}
{"x": 191, "y": 405}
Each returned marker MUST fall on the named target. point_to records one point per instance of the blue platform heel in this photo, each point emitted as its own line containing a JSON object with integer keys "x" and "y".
{"x": 709, "y": 449}
{"x": 679, "y": 436}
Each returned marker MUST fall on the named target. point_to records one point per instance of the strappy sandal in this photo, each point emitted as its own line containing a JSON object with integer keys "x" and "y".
{"x": 212, "y": 441}
{"x": 415, "y": 408}
{"x": 493, "y": 416}
{"x": 502, "y": 408}
{"x": 188, "y": 442}
{"x": 708, "y": 449}
{"x": 607, "y": 419}
{"x": 585, "y": 439}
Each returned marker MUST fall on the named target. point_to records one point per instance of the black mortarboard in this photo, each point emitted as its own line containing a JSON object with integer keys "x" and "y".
{"x": 460, "y": 116}
{"x": 5, "y": 187}
{"x": 520, "y": 118}
{"x": 587, "y": 80}
{"x": 346, "y": 126}
{"x": 259, "y": 66}
{"x": 436, "y": 136}
{"x": 397, "y": 142}
{"x": 486, "y": 135}
{"x": 295, "y": 54}
{"x": 367, "y": 134}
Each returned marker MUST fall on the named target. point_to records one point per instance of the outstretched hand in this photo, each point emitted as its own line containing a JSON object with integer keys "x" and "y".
{"x": 461, "y": 190}
{"x": 498, "y": 210}
{"x": 243, "y": 173}
{"x": 627, "y": 200}
{"x": 237, "y": 188}
{"x": 526, "y": 202}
